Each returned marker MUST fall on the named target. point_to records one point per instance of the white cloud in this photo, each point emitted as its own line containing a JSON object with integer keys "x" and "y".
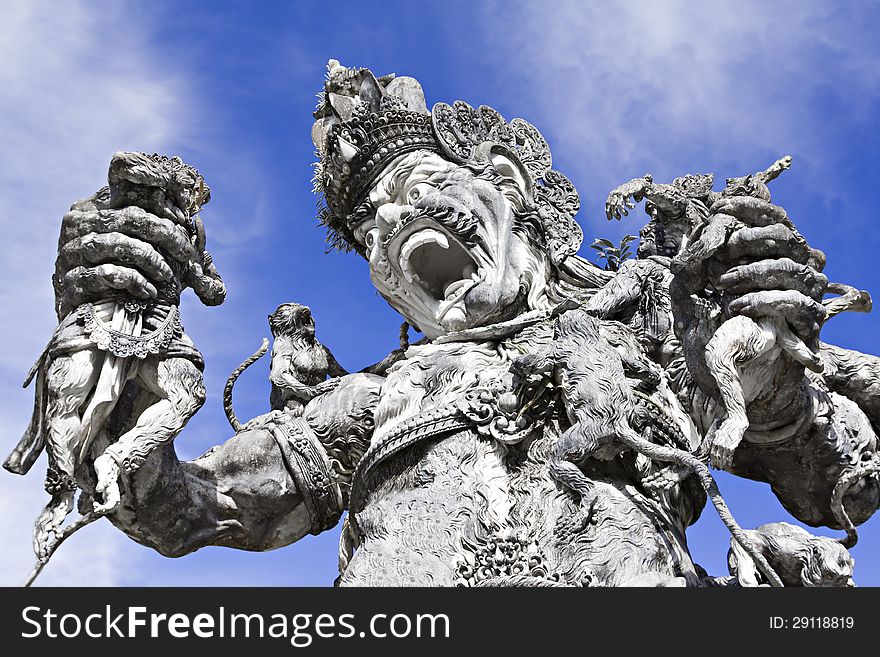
{"x": 636, "y": 86}
{"x": 79, "y": 81}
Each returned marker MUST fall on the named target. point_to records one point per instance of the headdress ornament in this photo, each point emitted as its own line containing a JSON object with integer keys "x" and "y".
{"x": 363, "y": 123}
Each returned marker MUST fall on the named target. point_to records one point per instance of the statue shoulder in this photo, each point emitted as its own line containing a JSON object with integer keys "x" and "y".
{"x": 349, "y": 390}
{"x": 342, "y": 420}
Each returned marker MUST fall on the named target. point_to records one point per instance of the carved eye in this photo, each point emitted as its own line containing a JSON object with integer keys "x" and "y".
{"x": 363, "y": 230}
{"x": 417, "y": 192}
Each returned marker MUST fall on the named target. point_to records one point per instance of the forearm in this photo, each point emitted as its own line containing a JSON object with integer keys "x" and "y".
{"x": 239, "y": 494}
{"x": 210, "y": 291}
{"x": 274, "y": 482}
{"x": 285, "y": 380}
{"x": 207, "y": 284}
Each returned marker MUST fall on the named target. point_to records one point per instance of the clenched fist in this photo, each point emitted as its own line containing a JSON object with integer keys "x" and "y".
{"x": 750, "y": 261}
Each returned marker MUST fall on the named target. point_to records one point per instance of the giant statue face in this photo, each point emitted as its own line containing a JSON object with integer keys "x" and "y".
{"x": 453, "y": 247}
{"x": 458, "y": 211}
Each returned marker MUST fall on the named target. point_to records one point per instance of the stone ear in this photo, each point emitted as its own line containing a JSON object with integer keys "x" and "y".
{"x": 506, "y": 162}
{"x": 552, "y": 194}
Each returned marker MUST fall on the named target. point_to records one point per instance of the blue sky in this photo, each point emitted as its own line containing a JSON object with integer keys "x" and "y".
{"x": 618, "y": 89}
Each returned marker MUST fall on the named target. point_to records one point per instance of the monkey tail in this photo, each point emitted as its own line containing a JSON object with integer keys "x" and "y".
{"x": 348, "y": 543}
{"x": 847, "y": 479}
{"x": 404, "y": 336}
{"x": 688, "y": 460}
{"x": 230, "y": 383}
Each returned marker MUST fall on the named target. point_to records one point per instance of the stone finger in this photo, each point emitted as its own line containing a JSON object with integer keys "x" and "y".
{"x": 817, "y": 259}
{"x": 761, "y": 243}
{"x": 753, "y": 211}
{"x": 97, "y": 248}
{"x": 803, "y": 314}
{"x": 106, "y": 277}
{"x": 778, "y": 274}
{"x": 201, "y": 239}
{"x": 132, "y": 221}
{"x": 85, "y": 284}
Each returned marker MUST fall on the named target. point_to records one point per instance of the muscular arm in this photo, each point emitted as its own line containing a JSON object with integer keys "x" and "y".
{"x": 254, "y": 492}
{"x": 238, "y": 494}
{"x": 241, "y": 494}
{"x": 805, "y": 431}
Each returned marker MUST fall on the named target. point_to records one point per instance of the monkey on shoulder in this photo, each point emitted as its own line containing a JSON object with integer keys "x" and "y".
{"x": 299, "y": 362}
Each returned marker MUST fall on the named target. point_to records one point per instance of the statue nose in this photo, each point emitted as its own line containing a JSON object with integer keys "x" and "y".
{"x": 389, "y": 215}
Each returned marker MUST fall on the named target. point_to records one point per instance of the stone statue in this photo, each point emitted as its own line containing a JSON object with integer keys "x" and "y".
{"x": 299, "y": 363}
{"x": 800, "y": 558}
{"x": 119, "y": 357}
{"x": 556, "y": 424}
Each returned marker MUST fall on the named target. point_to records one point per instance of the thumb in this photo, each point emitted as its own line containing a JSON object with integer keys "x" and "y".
{"x": 201, "y": 238}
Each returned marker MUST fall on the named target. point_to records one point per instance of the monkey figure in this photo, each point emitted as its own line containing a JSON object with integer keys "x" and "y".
{"x": 588, "y": 361}
{"x": 800, "y": 558}
{"x": 597, "y": 397}
{"x": 107, "y": 338}
{"x": 299, "y": 364}
{"x": 741, "y": 340}
{"x": 591, "y": 375}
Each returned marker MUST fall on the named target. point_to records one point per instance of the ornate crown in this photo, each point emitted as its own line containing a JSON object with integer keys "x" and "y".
{"x": 364, "y": 122}
{"x": 358, "y": 150}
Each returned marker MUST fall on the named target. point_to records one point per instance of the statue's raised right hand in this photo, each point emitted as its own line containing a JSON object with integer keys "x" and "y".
{"x": 104, "y": 250}
{"x": 624, "y": 198}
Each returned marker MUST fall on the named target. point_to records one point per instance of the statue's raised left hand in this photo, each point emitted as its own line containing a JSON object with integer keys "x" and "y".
{"x": 128, "y": 249}
{"x": 750, "y": 261}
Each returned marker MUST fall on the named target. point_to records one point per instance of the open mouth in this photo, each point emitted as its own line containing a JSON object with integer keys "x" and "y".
{"x": 440, "y": 265}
